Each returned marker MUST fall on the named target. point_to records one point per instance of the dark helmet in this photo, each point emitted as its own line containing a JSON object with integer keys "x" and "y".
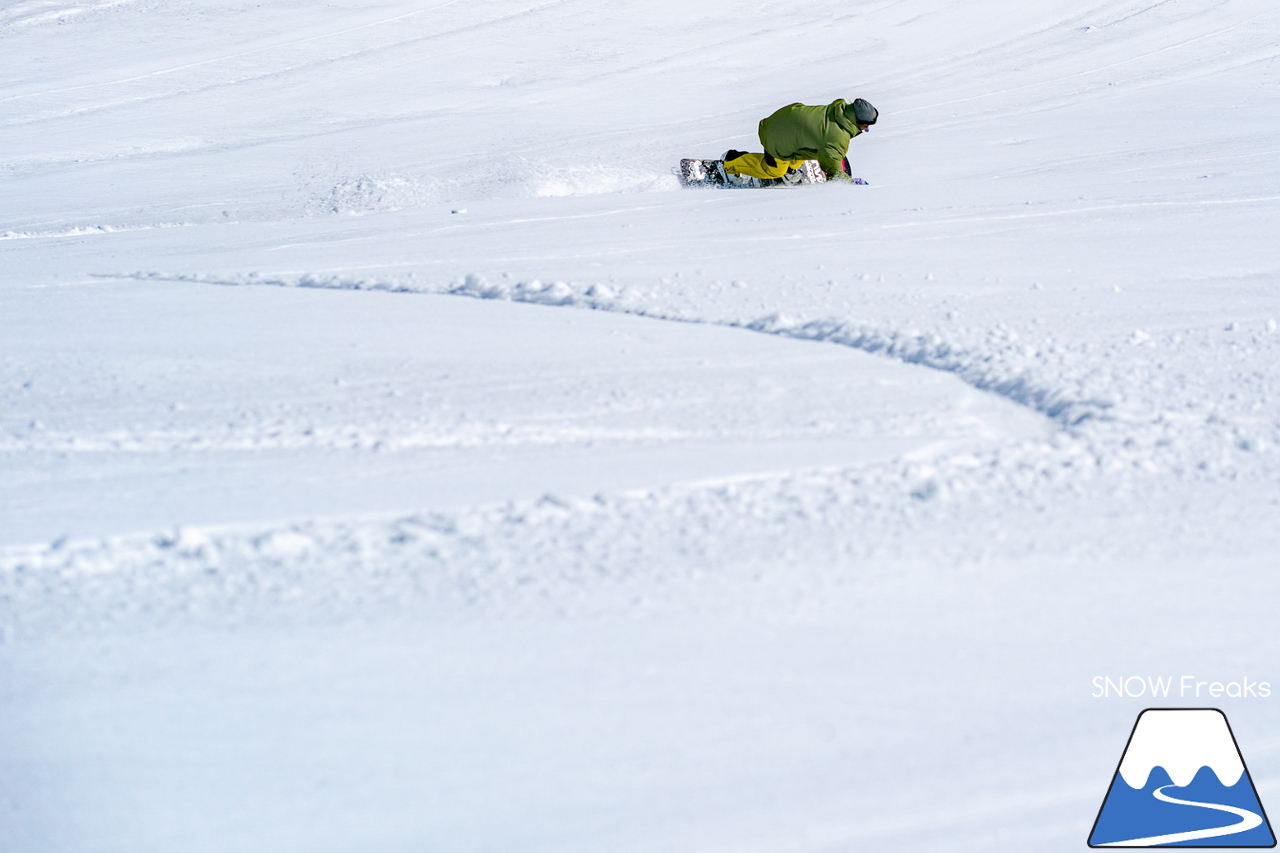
{"x": 864, "y": 113}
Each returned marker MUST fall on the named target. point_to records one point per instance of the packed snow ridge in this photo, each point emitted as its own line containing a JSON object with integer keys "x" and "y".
{"x": 914, "y": 348}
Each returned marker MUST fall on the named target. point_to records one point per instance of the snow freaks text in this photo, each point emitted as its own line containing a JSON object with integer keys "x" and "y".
{"x": 1185, "y": 687}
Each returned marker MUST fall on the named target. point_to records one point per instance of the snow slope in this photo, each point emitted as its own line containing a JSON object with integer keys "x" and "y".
{"x": 396, "y": 458}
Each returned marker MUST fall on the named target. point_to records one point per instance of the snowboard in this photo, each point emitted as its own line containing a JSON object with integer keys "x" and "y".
{"x": 711, "y": 173}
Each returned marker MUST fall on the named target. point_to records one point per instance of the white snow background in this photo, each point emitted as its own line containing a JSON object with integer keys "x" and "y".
{"x": 394, "y": 458}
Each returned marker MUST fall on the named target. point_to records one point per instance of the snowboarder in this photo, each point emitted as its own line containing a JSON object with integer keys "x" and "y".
{"x": 798, "y": 132}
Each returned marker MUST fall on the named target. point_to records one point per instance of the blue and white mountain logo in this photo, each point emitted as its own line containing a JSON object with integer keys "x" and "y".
{"x": 1182, "y": 783}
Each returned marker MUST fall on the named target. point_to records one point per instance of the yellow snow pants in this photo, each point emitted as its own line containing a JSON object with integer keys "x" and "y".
{"x": 753, "y": 166}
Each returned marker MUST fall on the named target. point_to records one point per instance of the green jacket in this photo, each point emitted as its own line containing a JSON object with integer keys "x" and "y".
{"x": 799, "y": 132}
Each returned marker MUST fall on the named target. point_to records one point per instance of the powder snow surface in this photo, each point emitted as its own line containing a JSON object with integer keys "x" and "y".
{"x": 395, "y": 458}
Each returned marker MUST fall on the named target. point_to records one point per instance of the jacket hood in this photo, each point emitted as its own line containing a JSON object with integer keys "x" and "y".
{"x": 840, "y": 112}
